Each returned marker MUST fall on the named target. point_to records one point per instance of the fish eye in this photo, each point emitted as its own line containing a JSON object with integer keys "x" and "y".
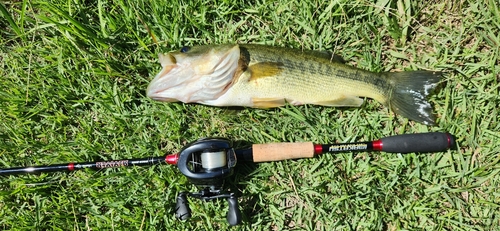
{"x": 184, "y": 49}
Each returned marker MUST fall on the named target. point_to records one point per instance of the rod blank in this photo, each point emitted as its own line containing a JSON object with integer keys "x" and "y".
{"x": 78, "y": 166}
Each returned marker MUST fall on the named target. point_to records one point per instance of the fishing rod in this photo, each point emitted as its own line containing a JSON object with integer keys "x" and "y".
{"x": 207, "y": 162}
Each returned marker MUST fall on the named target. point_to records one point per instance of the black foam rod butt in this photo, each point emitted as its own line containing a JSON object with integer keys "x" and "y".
{"x": 420, "y": 142}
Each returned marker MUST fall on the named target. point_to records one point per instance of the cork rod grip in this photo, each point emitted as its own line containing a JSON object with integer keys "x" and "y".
{"x": 282, "y": 151}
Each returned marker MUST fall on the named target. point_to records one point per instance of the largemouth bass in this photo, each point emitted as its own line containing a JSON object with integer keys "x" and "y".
{"x": 262, "y": 76}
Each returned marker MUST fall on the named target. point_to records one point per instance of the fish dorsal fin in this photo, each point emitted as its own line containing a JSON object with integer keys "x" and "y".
{"x": 265, "y": 69}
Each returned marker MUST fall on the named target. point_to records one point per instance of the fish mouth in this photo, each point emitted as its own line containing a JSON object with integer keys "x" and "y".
{"x": 168, "y": 62}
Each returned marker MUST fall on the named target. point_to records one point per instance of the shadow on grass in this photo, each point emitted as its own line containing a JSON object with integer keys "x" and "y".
{"x": 243, "y": 172}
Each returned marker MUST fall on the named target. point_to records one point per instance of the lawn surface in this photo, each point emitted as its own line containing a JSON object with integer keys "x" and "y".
{"x": 73, "y": 79}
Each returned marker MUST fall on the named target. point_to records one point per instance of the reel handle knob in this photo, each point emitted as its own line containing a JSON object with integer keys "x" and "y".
{"x": 234, "y": 213}
{"x": 182, "y": 210}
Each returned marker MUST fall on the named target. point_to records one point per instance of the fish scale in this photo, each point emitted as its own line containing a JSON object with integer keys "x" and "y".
{"x": 303, "y": 83}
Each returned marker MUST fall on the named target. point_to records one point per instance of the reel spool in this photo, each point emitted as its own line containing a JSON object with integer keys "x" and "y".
{"x": 206, "y": 163}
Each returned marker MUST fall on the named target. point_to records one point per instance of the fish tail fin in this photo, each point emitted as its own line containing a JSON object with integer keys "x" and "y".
{"x": 409, "y": 95}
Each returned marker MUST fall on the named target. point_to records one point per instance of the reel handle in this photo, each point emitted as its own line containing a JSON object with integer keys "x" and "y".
{"x": 182, "y": 210}
{"x": 234, "y": 213}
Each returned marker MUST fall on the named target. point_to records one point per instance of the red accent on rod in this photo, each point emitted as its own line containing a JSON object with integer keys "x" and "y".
{"x": 172, "y": 158}
{"x": 377, "y": 145}
{"x": 71, "y": 166}
{"x": 318, "y": 149}
{"x": 449, "y": 139}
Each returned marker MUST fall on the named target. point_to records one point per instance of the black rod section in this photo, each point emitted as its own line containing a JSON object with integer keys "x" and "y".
{"x": 78, "y": 166}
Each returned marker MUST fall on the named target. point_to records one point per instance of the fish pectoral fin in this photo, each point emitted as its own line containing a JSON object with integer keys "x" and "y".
{"x": 344, "y": 101}
{"x": 267, "y": 102}
{"x": 264, "y": 69}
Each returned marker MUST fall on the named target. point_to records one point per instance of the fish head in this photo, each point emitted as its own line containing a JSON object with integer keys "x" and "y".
{"x": 196, "y": 74}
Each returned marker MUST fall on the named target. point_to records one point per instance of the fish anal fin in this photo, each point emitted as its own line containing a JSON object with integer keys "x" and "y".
{"x": 268, "y": 102}
{"x": 344, "y": 101}
{"x": 265, "y": 69}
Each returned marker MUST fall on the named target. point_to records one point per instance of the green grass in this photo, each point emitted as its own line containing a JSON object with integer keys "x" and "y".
{"x": 74, "y": 75}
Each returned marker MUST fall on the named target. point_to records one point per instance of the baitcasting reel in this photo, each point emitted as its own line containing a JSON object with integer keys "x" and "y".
{"x": 206, "y": 163}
